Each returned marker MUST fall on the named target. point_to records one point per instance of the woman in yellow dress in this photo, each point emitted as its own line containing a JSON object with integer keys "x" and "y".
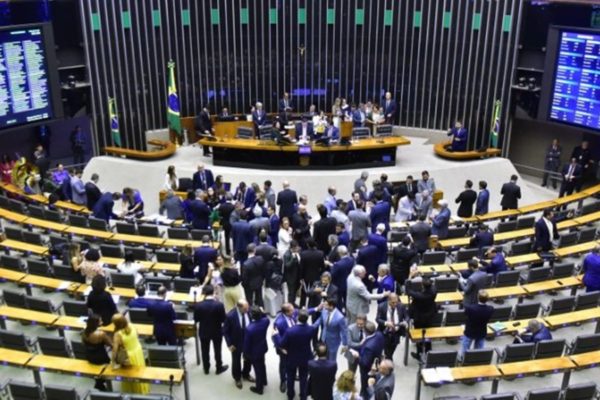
{"x": 126, "y": 336}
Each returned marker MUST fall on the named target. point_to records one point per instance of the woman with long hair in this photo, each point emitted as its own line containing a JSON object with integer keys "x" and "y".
{"x": 100, "y": 301}
{"x": 6, "y": 166}
{"x": 214, "y": 276}
{"x": 345, "y": 387}
{"x": 186, "y": 260}
{"x": 91, "y": 266}
{"x": 127, "y": 338}
{"x": 96, "y": 341}
{"x": 171, "y": 181}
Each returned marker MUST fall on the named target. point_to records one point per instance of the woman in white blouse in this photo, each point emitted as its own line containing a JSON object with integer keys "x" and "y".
{"x": 131, "y": 267}
{"x": 171, "y": 182}
{"x": 284, "y": 237}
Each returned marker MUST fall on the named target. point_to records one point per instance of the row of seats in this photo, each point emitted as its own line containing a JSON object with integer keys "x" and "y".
{"x": 580, "y": 391}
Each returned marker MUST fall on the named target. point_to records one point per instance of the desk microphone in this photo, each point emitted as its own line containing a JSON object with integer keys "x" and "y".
{"x": 171, "y": 379}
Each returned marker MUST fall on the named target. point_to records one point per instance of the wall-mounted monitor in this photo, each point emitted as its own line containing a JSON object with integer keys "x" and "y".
{"x": 571, "y": 90}
{"x": 29, "y": 90}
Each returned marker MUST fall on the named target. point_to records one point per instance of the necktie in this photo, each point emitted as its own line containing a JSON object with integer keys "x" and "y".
{"x": 361, "y": 336}
{"x": 409, "y": 188}
{"x": 570, "y": 174}
{"x": 243, "y": 323}
{"x": 393, "y": 311}
{"x": 329, "y": 318}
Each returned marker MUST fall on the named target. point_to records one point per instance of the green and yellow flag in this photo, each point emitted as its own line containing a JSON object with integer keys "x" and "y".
{"x": 114, "y": 122}
{"x": 495, "y": 129}
{"x": 173, "y": 113}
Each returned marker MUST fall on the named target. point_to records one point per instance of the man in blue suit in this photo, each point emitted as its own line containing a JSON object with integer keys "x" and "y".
{"x": 259, "y": 116}
{"x": 368, "y": 257}
{"x": 204, "y": 255}
{"x": 209, "y": 315}
{"x": 379, "y": 240}
{"x": 570, "y": 174}
{"x": 241, "y": 235}
{"x": 200, "y": 212}
{"x": 255, "y": 347}
{"x": 389, "y": 108}
{"x": 285, "y": 108}
{"x": 140, "y": 301}
{"x": 234, "y": 330}
{"x": 334, "y": 330}
{"x": 304, "y": 130}
{"x": 163, "y": 315}
{"x": 103, "y": 209}
{"x": 370, "y": 350}
{"x": 483, "y": 199}
{"x": 482, "y": 238}
{"x": 380, "y": 213}
{"x": 321, "y": 375}
{"x": 296, "y": 343}
{"x": 332, "y": 133}
{"x": 359, "y": 116}
{"x": 545, "y": 232}
{"x": 340, "y": 272}
{"x": 245, "y": 195}
{"x": 284, "y": 320}
{"x": 459, "y": 136}
{"x": 439, "y": 224}
{"x": 202, "y": 178}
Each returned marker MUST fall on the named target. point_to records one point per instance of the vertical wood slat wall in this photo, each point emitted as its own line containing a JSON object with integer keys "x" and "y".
{"x": 441, "y": 59}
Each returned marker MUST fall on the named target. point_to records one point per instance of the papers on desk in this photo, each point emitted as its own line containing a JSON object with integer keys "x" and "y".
{"x": 498, "y": 327}
{"x": 158, "y": 219}
{"x": 64, "y": 285}
{"x": 437, "y": 375}
{"x": 115, "y": 298}
{"x": 169, "y": 295}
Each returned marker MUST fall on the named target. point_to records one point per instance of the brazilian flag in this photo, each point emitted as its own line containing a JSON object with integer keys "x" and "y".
{"x": 495, "y": 130}
{"x": 114, "y": 122}
{"x": 173, "y": 113}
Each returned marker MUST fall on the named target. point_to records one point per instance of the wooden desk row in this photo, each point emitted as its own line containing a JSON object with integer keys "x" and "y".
{"x": 38, "y": 198}
{"x": 523, "y": 233}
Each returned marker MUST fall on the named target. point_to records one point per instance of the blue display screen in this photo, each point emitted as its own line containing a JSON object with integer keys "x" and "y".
{"x": 24, "y": 83}
{"x": 576, "y": 92}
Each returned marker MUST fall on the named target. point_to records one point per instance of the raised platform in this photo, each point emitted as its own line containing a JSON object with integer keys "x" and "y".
{"x": 149, "y": 176}
{"x": 441, "y": 150}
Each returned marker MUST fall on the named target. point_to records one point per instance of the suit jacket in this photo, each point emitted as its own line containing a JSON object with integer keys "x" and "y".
{"x": 420, "y": 233}
{"x": 78, "y": 191}
{"x": 403, "y": 190}
{"x": 380, "y": 214}
{"x": 428, "y": 185}
{"x": 371, "y": 349}
{"x": 242, "y": 235}
{"x": 380, "y": 242}
{"x": 383, "y": 387}
{"x": 422, "y": 308}
{"x": 402, "y": 258}
{"x": 232, "y": 330}
{"x": 312, "y": 264}
{"x": 543, "y": 240}
{"x": 297, "y": 342}
{"x": 309, "y": 131}
{"x": 315, "y": 298}
{"x": 359, "y": 118}
{"x": 478, "y": 315}
{"x": 482, "y": 239}
{"x": 382, "y": 317}
{"x": 576, "y": 174}
{"x": 368, "y": 257}
{"x": 340, "y": 272}
{"x": 203, "y": 122}
{"x": 163, "y": 314}
{"x": 200, "y": 182}
{"x": 202, "y": 256}
{"x": 285, "y": 107}
{"x": 389, "y": 109}
{"x": 103, "y": 209}
{"x": 439, "y": 225}
{"x": 253, "y": 273}
{"x": 173, "y": 207}
{"x": 281, "y": 324}
{"x": 255, "y": 339}
{"x": 511, "y": 193}
{"x": 259, "y": 118}
{"x": 459, "y": 139}
{"x": 355, "y": 337}
{"x": 466, "y": 199}
{"x": 200, "y": 214}
{"x": 321, "y": 231}
{"x": 358, "y": 297}
{"x": 360, "y": 224}
{"x": 332, "y": 132}
{"x": 552, "y": 161}
{"x": 334, "y": 333}
{"x": 287, "y": 200}
{"x": 247, "y": 198}
{"x": 497, "y": 264}
{"x": 321, "y": 379}
{"x": 483, "y": 200}
{"x": 475, "y": 283}
{"x": 209, "y": 314}
{"x": 93, "y": 194}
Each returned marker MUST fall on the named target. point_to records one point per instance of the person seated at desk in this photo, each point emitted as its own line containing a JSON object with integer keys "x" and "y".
{"x": 359, "y": 116}
{"x": 535, "y": 332}
{"x": 225, "y": 115}
{"x": 330, "y": 135}
{"x": 459, "y": 135}
{"x": 304, "y": 131}
{"x": 259, "y": 116}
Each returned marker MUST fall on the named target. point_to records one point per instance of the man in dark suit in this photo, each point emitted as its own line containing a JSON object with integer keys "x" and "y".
{"x": 439, "y": 223}
{"x": 392, "y": 320}
{"x": 304, "y": 130}
{"x": 321, "y": 375}
{"x": 478, "y": 315}
{"x": 420, "y": 233}
{"x": 389, "y": 108}
{"x": 483, "y": 199}
{"x": 202, "y": 178}
{"x": 584, "y": 159}
{"x": 287, "y": 318}
{"x": 241, "y": 235}
{"x": 482, "y": 238}
{"x": 466, "y": 199}
{"x": 380, "y": 213}
{"x": 285, "y": 108}
{"x": 301, "y": 226}
{"x": 381, "y": 386}
{"x": 296, "y": 343}
{"x": 140, "y": 300}
{"x": 287, "y": 201}
{"x": 378, "y": 239}
{"x": 571, "y": 174}
{"x": 204, "y": 255}
{"x": 291, "y": 270}
{"x": 163, "y": 315}
{"x": 234, "y": 330}
{"x": 408, "y": 186}
{"x": 209, "y": 315}
{"x": 204, "y": 127}
{"x": 321, "y": 291}
{"x": 245, "y": 195}
{"x": 225, "y": 115}
{"x": 104, "y": 206}
{"x": 324, "y": 227}
{"x": 545, "y": 232}
{"x": 92, "y": 192}
{"x": 255, "y": 347}
{"x": 552, "y": 163}
{"x": 370, "y": 350}
{"x": 359, "y": 116}
{"x": 511, "y": 193}
{"x": 312, "y": 264}
{"x": 340, "y": 272}
{"x": 259, "y": 117}
{"x": 200, "y": 212}
{"x": 253, "y": 276}
{"x": 459, "y": 135}
{"x": 403, "y": 257}
{"x": 474, "y": 283}
{"x": 368, "y": 257}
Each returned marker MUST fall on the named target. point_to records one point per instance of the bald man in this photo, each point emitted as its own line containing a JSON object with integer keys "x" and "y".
{"x": 381, "y": 387}
{"x": 202, "y": 178}
{"x": 389, "y": 109}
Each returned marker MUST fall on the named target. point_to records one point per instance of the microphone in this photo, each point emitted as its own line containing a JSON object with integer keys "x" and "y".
{"x": 171, "y": 379}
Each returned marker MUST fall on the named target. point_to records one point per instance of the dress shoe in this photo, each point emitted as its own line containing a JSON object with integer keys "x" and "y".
{"x": 238, "y": 384}
{"x": 206, "y": 371}
{"x": 222, "y": 369}
{"x": 416, "y": 356}
{"x": 254, "y": 389}
{"x": 282, "y": 387}
{"x": 249, "y": 378}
